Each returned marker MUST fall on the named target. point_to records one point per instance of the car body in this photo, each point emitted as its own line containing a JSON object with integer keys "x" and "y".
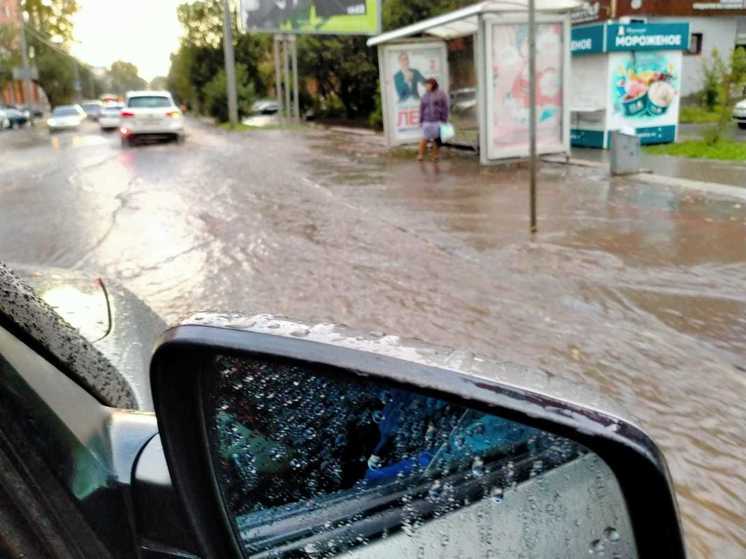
{"x": 110, "y": 117}
{"x": 265, "y": 107}
{"x": 4, "y": 120}
{"x": 17, "y": 118}
{"x": 463, "y": 100}
{"x": 66, "y": 117}
{"x": 152, "y": 114}
{"x": 92, "y": 109}
{"x": 739, "y": 114}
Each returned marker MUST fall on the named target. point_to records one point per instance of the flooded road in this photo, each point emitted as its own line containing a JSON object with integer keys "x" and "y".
{"x": 636, "y": 290}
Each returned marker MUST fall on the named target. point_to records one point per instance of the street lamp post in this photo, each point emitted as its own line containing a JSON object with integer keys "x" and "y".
{"x": 532, "y": 110}
{"x": 230, "y": 65}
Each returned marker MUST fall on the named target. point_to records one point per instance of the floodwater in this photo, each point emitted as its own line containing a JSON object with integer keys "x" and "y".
{"x": 638, "y": 291}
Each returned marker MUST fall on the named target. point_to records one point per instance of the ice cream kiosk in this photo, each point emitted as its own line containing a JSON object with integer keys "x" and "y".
{"x": 626, "y": 76}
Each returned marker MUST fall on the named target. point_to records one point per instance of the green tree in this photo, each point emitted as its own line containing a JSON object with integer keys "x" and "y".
{"x": 9, "y": 56}
{"x": 49, "y": 31}
{"x": 196, "y": 66}
{"x": 158, "y": 82}
{"x": 202, "y": 22}
{"x": 56, "y": 75}
{"x": 216, "y": 96}
{"x": 731, "y": 74}
{"x": 52, "y": 18}
{"x": 125, "y": 77}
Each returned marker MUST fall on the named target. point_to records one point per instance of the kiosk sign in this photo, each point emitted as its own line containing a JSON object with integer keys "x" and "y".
{"x": 641, "y": 36}
{"x": 587, "y": 40}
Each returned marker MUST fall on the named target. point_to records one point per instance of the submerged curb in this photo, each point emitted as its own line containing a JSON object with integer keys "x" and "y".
{"x": 709, "y": 187}
{"x": 727, "y": 190}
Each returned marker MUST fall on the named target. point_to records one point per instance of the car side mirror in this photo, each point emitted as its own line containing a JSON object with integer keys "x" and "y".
{"x": 285, "y": 440}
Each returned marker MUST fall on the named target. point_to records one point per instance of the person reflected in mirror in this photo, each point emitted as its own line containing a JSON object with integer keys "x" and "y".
{"x": 433, "y": 113}
{"x": 407, "y": 80}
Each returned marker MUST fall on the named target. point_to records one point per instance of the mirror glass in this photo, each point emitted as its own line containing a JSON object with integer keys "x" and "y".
{"x": 313, "y": 461}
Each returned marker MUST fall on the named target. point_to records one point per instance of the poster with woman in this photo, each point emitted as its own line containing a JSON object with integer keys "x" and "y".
{"x": 406, "y": 67}
{"x": 508, "y": 101}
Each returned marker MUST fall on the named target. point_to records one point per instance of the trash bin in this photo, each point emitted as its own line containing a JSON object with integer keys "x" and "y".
{"x": 625, "y": 152}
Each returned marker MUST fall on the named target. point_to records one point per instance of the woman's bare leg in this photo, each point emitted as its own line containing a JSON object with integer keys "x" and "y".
{"x": 436, "y": 151}
{"x": 423, "y": 147}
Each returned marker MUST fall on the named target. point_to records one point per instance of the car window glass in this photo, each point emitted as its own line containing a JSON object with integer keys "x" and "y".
{"x": 65, "y": 111}
{"x": 151, "y": 102}
{"x": 311, "y": 465}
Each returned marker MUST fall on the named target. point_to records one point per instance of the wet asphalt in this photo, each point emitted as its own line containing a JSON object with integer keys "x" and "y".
{"x": 638, "y": 291}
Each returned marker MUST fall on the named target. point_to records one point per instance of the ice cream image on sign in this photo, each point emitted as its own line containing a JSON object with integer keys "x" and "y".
{"x": 645, "y": 87}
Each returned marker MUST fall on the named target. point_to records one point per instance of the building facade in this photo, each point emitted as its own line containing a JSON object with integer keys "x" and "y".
{"x": 8, "y": 11}
{"x": 714, "y": 25}
{"x": 13, "y": 92}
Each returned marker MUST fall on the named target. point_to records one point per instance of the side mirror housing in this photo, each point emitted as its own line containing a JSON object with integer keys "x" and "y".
{"x": 289, "y": 440}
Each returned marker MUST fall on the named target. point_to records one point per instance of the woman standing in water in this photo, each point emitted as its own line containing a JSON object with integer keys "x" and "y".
{"x": 433, "y": 113}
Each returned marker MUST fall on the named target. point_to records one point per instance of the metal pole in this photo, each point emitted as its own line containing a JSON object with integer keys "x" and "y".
{"x": 296, "y": 94}
{"x": 286, "y": 68}
{"x": 532, "y": 108}
{"x": 230, "y": 64}
{"x": 278, "y": 72}
{"x": 24, "y": 56}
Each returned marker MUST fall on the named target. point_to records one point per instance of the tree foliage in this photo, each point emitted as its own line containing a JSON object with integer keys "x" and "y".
{"x": 196, "y": 67}
{"x": 729, "y": 78}
{"x": 124, "y": 77}
{"x": 342, "y": 69}
{"x": 8, "y": 53}
{"x": 53, "y": 18}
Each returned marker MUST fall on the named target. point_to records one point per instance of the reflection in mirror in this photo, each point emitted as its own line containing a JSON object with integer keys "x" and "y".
{"x": 316, "y": 462}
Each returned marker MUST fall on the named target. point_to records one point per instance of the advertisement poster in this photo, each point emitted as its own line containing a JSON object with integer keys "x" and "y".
{"x": 406, "y": 68}
{"x": 645, "y": 92}
{"x": 508, "y": 102}
{"x": 354, "y": 17}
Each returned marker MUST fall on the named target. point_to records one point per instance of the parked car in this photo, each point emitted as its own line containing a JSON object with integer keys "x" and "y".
{"x": 150, "y": 114}
{"x": 110, "y": 116}
{"x": 463, "y": 100}
{"x": 17, "y": 118}
{"x": 92, "y": 109}
{"x": 4, "y": 120}
{"x": 260, "y": 436}
{"x": 739, "y": 114}
{"x": 66, "y": 117}
{"x": 265, "y": 107}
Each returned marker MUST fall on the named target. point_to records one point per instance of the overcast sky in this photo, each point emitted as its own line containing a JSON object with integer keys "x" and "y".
{"x": 144, "y": 32}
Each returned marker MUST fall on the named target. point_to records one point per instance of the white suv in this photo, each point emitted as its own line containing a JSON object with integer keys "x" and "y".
{"x": 150, "y": 113}
{"x": 739, "y": 114}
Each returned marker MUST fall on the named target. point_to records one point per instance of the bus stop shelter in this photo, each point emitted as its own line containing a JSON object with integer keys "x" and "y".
{"x": 498, "y": 97}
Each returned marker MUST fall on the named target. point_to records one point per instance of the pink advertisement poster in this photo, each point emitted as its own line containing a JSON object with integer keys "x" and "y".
{"x": 508, "y": 112}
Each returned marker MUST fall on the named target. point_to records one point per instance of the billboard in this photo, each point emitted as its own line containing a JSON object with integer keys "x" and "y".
{"x": 508, "y": 95}
{"x": 405, "y": 67}
{"x": 332, "y": 17}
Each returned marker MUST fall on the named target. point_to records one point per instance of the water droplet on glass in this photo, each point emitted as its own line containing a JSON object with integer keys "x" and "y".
{"x": 611, "y": 534}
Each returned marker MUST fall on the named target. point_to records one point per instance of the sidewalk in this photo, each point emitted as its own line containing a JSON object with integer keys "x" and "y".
{"x": 722, "y": 172}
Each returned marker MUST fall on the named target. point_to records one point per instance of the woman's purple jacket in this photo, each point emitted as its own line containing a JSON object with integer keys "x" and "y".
{"x": 434, "y": 107}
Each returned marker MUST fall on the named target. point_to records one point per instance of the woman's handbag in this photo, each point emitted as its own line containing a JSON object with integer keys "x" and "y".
{"x": 447, "y": 132}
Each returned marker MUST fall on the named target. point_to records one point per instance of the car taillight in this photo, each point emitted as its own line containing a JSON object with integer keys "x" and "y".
{"x": 127, "y": 114}
{"x": 173, "y": 114}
